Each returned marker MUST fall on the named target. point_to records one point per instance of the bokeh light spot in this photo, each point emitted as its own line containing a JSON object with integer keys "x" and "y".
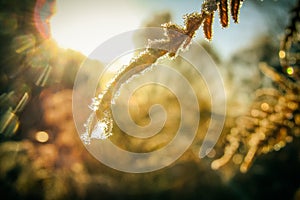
{"x": 281, "y": 54}
{"x": 42, "y": 136}
{"x": 290, "y": 71}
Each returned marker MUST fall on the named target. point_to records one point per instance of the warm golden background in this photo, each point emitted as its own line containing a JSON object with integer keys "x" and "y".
{"x": 42, "y": 44}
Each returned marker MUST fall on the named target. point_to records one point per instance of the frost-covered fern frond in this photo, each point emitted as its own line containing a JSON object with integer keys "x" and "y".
{"x": 99, "y": 124}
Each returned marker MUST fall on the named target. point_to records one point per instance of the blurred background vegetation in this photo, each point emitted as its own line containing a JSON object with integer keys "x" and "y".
{"x": 42, "y": 156}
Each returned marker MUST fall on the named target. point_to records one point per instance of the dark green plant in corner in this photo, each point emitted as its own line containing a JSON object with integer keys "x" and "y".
{"x": 274, "y": 117}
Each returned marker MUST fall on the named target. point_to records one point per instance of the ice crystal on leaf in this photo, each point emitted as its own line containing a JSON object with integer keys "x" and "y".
{"x": 177, "y": 38}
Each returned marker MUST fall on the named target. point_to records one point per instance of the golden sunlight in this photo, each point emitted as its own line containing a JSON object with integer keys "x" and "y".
{"x": 84, "y": 25}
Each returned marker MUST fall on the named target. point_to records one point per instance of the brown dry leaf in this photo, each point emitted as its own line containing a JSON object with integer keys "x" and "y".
{"x": 207, "y": 26}
{"x": 235, "y": 9}
{"x": 223, "y": 11}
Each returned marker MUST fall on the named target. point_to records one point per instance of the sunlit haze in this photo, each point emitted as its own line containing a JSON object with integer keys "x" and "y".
{"x": 84, "y": 25}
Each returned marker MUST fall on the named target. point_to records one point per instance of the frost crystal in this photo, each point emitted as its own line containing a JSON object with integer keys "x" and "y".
{"x": 100, "y": 131}
{"x": 209, "y": 6}
{"x": 97, "y": 129}
{"x": 95, "y": 104}
{"x": 85, "y": 138}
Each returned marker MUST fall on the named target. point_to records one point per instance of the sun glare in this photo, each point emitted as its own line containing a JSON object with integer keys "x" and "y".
{"x": 84, "y": 25}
